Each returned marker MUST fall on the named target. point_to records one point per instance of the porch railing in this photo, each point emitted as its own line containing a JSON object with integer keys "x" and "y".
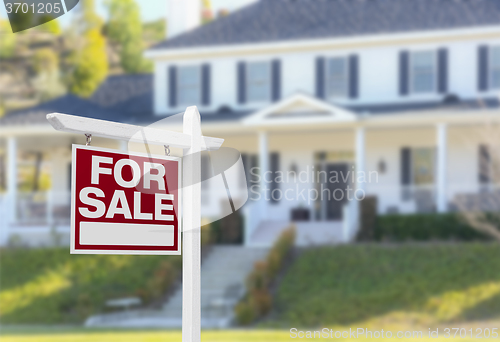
{"x": 43, "y": 208}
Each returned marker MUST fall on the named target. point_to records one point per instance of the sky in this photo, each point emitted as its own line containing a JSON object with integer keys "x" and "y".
{"x": 150, "y": 9}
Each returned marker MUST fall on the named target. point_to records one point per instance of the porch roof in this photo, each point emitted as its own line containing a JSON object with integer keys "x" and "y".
{"x": 129, "y": 99}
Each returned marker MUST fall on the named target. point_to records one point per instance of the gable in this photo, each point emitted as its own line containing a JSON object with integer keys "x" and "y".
{"x": 297, "y": 109}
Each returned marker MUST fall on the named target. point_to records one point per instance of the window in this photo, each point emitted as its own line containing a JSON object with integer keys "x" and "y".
{"x": 189, "y": 85}
{"x": 423, "y": 71}
{"x": 495, "y": 67}
{"x": 337, "y": 77}
{"x": 258, "y": 81}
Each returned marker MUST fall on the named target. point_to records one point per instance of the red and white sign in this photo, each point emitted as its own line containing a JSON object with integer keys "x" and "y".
{"x": 124, "y": 203}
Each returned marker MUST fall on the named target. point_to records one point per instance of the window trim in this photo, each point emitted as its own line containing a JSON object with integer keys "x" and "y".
{"x": 200, "y": 84}
{"x": 270, "y": 81}
{"x": 328, "y": 95}
{"x": 490, "y": 68}
{"x": 411, "y": 88}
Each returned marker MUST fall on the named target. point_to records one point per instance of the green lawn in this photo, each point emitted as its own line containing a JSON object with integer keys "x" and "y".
{"x": 376, "y": 286}
{"x": 79, "y": 335}
{"x": 50, "y": 286}
{"x": 424, "y": 284}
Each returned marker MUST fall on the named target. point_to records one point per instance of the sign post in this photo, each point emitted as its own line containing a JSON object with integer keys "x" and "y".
{"x": 192, "y": 143}
{"x": 191, "y": 243}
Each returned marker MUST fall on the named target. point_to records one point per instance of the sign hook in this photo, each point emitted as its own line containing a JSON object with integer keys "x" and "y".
{"x": 167, "y": 150}
{"x": 88, "y": 139}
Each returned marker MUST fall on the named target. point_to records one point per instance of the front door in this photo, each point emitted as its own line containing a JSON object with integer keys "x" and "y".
{"x": 337, "y": 189}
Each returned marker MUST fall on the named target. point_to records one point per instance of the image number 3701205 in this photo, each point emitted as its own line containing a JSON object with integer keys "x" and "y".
{"x": 26, "y": 14}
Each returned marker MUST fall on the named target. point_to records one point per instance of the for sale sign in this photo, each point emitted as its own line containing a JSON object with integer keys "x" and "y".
{"x": 124, "y": 203}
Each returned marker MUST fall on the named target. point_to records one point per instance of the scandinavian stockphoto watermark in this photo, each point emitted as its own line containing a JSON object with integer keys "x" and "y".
{"x": 310, "y": 184}
{"x": 461, "y": 332}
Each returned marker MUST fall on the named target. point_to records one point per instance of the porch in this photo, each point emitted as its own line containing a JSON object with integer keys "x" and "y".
{"x": 419, "y": 162}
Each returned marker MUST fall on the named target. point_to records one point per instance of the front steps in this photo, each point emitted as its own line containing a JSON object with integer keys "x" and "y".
{"x": 223, "y": 275}
{"x": 309, "y": 233}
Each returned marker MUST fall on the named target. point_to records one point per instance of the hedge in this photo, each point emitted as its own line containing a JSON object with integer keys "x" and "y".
{"x": 425, "y": 227}
{"x": 258, "y": 301}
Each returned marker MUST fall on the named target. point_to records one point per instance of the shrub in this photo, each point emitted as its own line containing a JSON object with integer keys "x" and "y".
{"x": 245, "y": 312}
{"x": 424, "y": 227}
{"x": 262, "y": 301}
{"x": 279, "y": 251}
{"x": 258, "y": 278}
{"x": 258, "y": 301}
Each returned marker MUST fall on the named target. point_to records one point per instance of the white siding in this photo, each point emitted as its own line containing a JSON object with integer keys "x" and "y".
{"x": 378, "y": 75}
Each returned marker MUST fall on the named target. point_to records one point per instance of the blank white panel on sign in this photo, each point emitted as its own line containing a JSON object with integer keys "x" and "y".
{"x": 104, "y": 233}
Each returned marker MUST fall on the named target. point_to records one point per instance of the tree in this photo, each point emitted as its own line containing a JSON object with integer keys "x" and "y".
{"x": 7, "y": 40}
{"x": 47, "y": 81}
{"x": 125, "y": 28}
{"x": 206, "y": 12}
{"x": 89, "y": 62}
{"x": 50, "y": 26}
{"x": 90, "y": 65}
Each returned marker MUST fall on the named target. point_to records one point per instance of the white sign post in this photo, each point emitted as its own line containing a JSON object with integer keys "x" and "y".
{"x": 192, "y": 143}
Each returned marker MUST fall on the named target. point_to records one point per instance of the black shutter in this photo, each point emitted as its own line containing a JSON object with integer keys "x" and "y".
{"x": 276, "y": 80}
{"x": 274, "y": 168}
{"x": 443, "y": 71}
{"x": 241, "y": 86}
{"x": 205, "y": 84}
{"x": 320, "y": 77}
{"x": 353, "y": 76}
{"x": 404, "y": 68}
{"x": 172, "y": 86}
{"x": 482, "y": 68}
{"x": 405, "y": 166}
{"x": 484, "y": 166}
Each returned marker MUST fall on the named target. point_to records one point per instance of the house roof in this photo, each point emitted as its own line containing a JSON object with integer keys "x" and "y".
{"x": 120, "y": 98}
{"x": 283, "y": 20}
{"x": 69, "y": 104}
{"x": 129, "y": 96}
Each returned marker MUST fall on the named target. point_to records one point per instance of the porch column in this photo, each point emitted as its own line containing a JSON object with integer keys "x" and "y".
{"x": 441, "y": 138}
{"x": 360, "y": 157}
{"x": 264, "y": 167}
{"x": 123, "y": 145}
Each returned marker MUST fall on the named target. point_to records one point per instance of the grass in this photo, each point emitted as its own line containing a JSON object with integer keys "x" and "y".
{"x": 50, "y": 286}
{"x": 80, "y": 335}
{"x": 424, "y": 284}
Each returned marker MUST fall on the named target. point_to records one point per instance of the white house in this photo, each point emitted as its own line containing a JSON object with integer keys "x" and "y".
{"x": 402, "y": 91}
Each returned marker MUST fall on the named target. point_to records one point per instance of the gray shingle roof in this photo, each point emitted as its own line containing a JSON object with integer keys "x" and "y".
{"x": 67, "y": 104}
{"x": 120, "y": 98}
{"x": 282, "y": 20}
{"x": 128, "y": 95}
